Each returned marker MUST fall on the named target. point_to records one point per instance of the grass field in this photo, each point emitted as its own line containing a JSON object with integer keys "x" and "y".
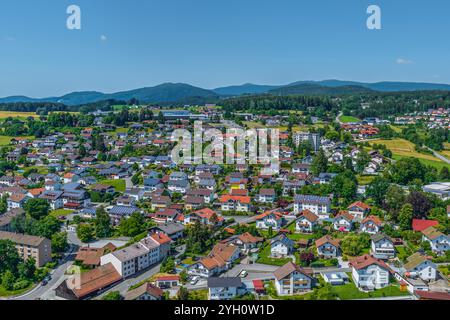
{"x": 4, "y": 140}
{"x": 16, "y": 114}
{"x": 349, "y": 292}
{"x": 6, "y": 293}
{"x": 60, "y": 213}
{"x": 264, "y": 258}
{"x": 347, "y": 119}
{"x": 365, "y": 180}
{"x": 120, "y": 185}
{"x": 402, "y": 148}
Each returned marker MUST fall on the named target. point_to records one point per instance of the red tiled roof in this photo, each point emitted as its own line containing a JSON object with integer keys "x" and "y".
{"x": 241, "y": 199}
{"x": 367, "y": 260}
{"x": 420, "y": 225}
{"x": 359, "y": 204}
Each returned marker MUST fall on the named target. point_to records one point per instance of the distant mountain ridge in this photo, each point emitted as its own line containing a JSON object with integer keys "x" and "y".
{"x": 185, "y": 93}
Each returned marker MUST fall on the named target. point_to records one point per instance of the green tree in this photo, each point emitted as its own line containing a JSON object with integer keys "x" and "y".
{"x": 3, "y": 204}
{"x": 183, "y": 294}
{"x": 354, "y": 244}
{"x": 113, "y": 295}
{"x": 320, "y": 163}
{"x": 102, "y": 223}
{"x": 8, "y": 280}
{"x": 27, "y": 269}
{"x": 37, "y": 208}
{"x": 405, "y": 217}
{"x": 85, "y": 232}
{"x": 394, "y": 200}
{"x": 168, "y": 265}
{"x": 47, "y": 227}
{"x": 132, "y": 226}
{"x": 59, "y": 242}
{"x": 9, "y": 257}
{"x": 377, "y": 190}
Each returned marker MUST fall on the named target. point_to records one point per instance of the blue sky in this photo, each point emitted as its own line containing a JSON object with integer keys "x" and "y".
{"x": 210, "y": 43}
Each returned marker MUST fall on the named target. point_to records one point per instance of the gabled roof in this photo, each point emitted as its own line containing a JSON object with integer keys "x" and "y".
{"x": 432, "y": 233}
{"x": 241, "y": 199}
{"x": 359, "y": 204}
{"x": 143, "y": 289}
{"x": 415, "y": 260}
{"x": 367, "y": 260}
{"x": 95, "y": 280}
{"x": 310, "y": 216}
{"x": 224, "y": 282}
{"x": 287, "y": 269}
{"x": 248, "y": 238}
{"x": 380, "y": 236}
{"x": 327, "y": 239}
{"x": 420, "y": 225}
{"x": 374, "y": 219}
{"x": 344, "y": 214}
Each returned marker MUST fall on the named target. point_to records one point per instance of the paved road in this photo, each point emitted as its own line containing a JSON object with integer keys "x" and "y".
{"x": 123, "y": 286}
{"x": 439, "y": 156}
{"x": 57, "y": 276}
{"x": 338, "y": 116}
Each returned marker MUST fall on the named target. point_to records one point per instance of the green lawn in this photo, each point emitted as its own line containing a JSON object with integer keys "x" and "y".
{"x": 297, "y": 236}
{"x": 349, "y": 292}
{"x": 365, "y": 180}
{"x": 5, "y": 141}
{"x": 198, "y": 295}
{"x": 347, "y": 119}
{"x": 60, "y": 212}
{"x": 6, "y": 293}
{"x": 264, "y": 258}
{"x": 436, "y": 164}
{"x": 120, "y": 185}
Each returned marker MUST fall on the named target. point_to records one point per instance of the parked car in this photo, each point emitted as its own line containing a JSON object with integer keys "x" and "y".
{"x": 243, "y": 274}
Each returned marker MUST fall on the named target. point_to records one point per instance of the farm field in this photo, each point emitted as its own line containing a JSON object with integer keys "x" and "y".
{"x": 17, "y": 114}
{"x": 402, "y": 148}
{"x": 347, "y": 119}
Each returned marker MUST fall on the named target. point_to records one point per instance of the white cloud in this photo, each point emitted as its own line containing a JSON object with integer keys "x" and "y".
{"x": 103, "y": 37}
{"x": 404, "y": 61}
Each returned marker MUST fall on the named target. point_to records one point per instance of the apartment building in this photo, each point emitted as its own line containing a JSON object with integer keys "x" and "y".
{"x": 28, "y": 247}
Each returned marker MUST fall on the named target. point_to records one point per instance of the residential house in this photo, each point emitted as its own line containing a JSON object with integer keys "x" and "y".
{"x": 146, "y": 291}
{"x": 290, "y": 279}
{"x": 16, "y": 200}
{"x": 235, "y": 203}
{"x": 369, "y": 273}
{"x": 439, "y": 242}
{"x": 327, "y": 247}
{"x": 382, "y": 247}
{"x": 306, "y": 222}
{"x": 219, "y": 260}
{"x": 269, "y": 220}
{"x": 343, "y": 221}
{"x": 281, "y": 246}
{"x": 419, "y": 266}
{"x": 371, "y": 225}
{"x": 359, "y": 210}
{"x": 224, "y": 288}
{"x": 266, "y": 196}
{"x": 318, "y": 205}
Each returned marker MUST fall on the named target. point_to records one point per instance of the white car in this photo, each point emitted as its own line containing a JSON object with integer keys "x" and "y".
{"x": 243, "y": 274}
{"x": 194, "y": 280}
